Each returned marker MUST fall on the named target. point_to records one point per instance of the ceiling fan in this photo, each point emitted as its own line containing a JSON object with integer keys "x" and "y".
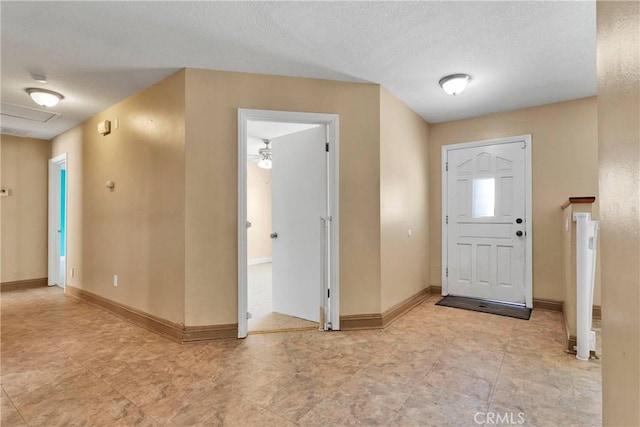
{"x": 263, "y": 156}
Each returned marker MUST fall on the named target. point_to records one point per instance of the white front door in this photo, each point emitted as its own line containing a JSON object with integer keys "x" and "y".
{"x": 486, "y": 221}
{"x": 299, "y": 200}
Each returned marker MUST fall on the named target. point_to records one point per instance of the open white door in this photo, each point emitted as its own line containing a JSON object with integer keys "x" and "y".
{"x": 323, "y": 274}
{"x": 299, "y": 202}
{"x": 57, "y": 221}
{"x": 487, "y": 226}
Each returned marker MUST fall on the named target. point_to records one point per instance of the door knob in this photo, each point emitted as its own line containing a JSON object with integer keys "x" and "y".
{"x": 519, "y": 233}
{"x": 274, "y": 235}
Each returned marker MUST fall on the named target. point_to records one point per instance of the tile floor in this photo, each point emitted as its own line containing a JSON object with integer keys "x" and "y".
{"x": 263, "y": 318}
{"x": 67, "y": 363}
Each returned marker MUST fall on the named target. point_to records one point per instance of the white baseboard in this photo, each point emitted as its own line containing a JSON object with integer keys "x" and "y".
{"x": 255, "y": 261}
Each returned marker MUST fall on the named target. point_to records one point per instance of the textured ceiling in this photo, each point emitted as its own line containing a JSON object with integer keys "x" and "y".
{"x": 519, "y": 54}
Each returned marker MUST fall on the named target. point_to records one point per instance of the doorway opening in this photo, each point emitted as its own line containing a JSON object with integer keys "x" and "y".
{"x": 486, "y": 220}
{"x": 287, "y": 221}
{"x": 57, "y": 221}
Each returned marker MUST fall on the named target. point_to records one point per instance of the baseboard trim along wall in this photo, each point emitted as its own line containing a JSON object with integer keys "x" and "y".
{"x": 24, "y": 284}
{"x": 435, "y": 290}
{"x": 382, "y": 320}
{"x": 255, "y": 261}
{"x": 547, "y": 304}
{"x": 209, "y": 333}
{"x": 185, "y": 334}
{"x": 403, "y": 307}
{"x": 354, "y": 322}
{"x": 167, "y": 329}
{"x": 552, "y": 305}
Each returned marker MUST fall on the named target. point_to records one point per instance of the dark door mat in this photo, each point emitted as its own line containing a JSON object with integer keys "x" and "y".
{"x": 483, "y": 306}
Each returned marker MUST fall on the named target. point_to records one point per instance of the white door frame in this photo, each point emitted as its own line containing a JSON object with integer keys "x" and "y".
{"x": 526, "y": 140}
{"x": 55, "y": 165}
{"x": 331, "y": 121}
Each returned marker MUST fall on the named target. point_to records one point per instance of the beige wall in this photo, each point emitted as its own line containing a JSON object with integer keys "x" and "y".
{"x": 169, "y": 228}
{"x": 619, "y": 143}
{"x": 24, "y": 164}
{"x": 136, "y": 231}
{"x": 212, "y": 100}
{"x": 258, "y": 212}
{"x": 565, "y": 164}
{"x": 404, "y": 201}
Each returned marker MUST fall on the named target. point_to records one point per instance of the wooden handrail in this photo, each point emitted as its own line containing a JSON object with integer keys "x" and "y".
{"x": 572, "y": 200}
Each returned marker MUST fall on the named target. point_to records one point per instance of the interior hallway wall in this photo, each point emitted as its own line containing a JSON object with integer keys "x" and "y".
{"x": 212, "y": 100}
{"x": 25, "y": 173}
{"x": 71, "y": 143}
{"x": 404, "y": 201}
{"x": 565, "y": 164}
{"x": 137, "y": 230}
{"x": 258, "y": 212}
{"x": 618, "y": 26}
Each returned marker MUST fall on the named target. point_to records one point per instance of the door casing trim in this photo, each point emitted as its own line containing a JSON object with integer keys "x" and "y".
{"x": 53, "y": 218}
{"x": 332, "y": 121}
{"x": 526, "y": 139}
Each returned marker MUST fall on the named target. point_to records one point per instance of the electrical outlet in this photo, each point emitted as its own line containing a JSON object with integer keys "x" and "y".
{"x": 115, "y": 280}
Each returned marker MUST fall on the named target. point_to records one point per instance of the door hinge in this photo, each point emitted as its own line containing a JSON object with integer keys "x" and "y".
{"x": 446, "y": 272}
{"x": 524, "y": 144}
{"x": 327, "y": 147}
{"x": 446, "y": 167}
{"x": 447, "y": 220}
{"x": 249, "y": 315}
{"x": 328, "y": 293}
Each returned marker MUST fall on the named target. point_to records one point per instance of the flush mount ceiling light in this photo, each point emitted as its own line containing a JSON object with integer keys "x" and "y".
{"x": 44, "y": 97}
{"x": 455, "y": 83}
{"x": 265, "y": 155}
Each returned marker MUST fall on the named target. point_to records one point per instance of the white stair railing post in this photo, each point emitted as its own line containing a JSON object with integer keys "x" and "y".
{"x": 585, "y": 275}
